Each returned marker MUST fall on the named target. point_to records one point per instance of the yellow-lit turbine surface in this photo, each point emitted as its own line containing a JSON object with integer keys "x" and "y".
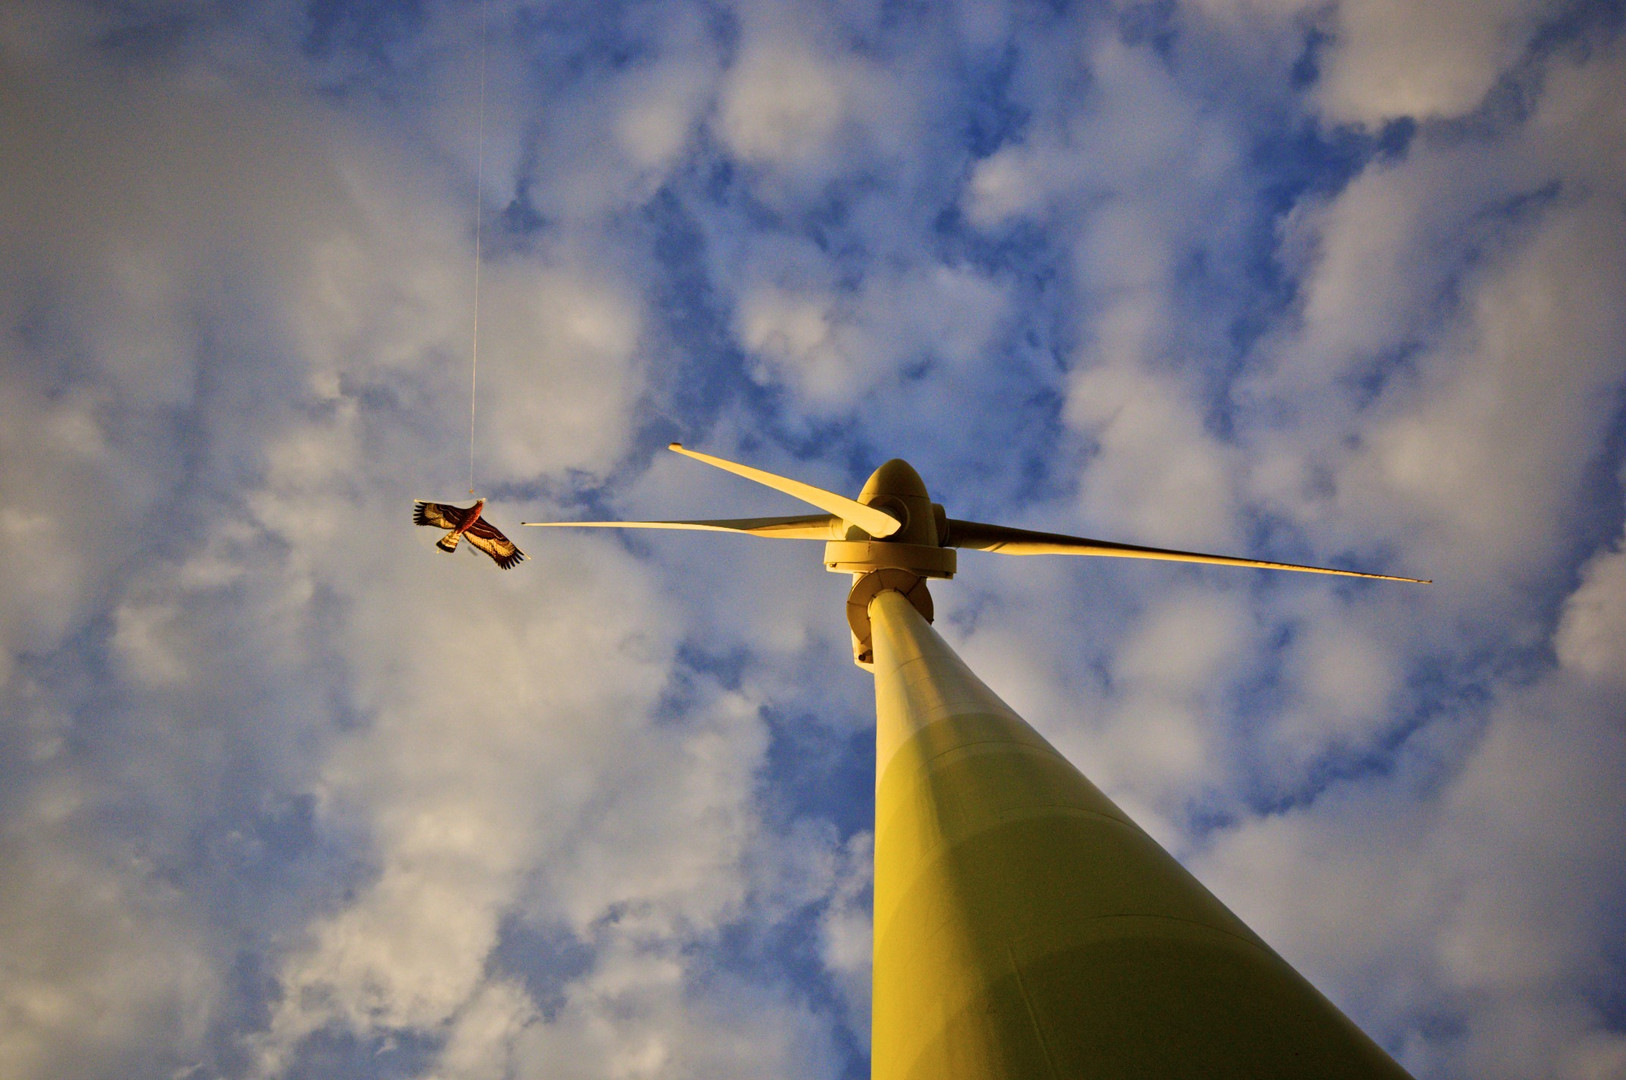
{"x": 1025, "y": 928}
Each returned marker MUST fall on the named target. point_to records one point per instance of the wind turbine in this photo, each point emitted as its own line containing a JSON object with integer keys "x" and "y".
{"x": 1025, "y": 927}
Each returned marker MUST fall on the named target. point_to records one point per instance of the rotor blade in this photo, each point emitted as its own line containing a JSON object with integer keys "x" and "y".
{"x": 875, "y": 522}
{"x": 807, "y": 527}
{"x": 1008, "y": 541}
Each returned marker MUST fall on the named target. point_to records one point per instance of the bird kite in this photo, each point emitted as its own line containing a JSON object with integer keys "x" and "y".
{"x": 466, "y": 522}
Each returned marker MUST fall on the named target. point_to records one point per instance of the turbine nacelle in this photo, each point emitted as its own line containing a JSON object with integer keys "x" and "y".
{"x": 894, "y": 537}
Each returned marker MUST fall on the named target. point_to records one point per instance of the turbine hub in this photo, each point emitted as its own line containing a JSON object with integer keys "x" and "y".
{"x": 897, "y": 490}
{"x": 902, "y": 561}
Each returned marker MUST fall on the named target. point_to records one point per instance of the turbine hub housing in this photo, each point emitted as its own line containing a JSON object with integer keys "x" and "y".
{"x": 917, "y": 546}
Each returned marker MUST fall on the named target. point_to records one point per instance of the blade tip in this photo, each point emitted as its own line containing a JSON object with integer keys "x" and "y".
{"x": 674, "y": 446}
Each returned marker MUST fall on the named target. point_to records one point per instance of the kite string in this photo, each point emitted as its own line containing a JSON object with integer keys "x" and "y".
{"x": 479, "y": 220}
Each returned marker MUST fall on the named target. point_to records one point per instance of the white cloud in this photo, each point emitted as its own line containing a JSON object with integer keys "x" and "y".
{"x": 616, "y": 133}
{"x": 800, "y": 109}
{"x": 559, "y": 352}
{"x": 484, "y": 1032}
{"x": 784, "y": 104}
{"x": 490, "y": 751}
{"x": 1008, "y": 183}
{"x": 848, "y": 939}
{"x": 1140, "y": 181}
{"x": 1347, "y": 669}
{"x": 1591, "y": 637}
{"x": 835, "y": 346}
{"x": 656, "y": 121}
{"x": 1466, "y": 454}
{"x": 1391, "y": 58}
{"x": 143, "y": 637}
{"x": 630, "y": 1019}
{"x": 102, "y": 975}
{"x": 1489, "y": 448}
{"x": 1167, "y": 678}
{"x": 1377, "y": 261}
{"x": 1156, "y": 477}
{"x": 356, "y": 271}
{"x": 1129, "y": 141}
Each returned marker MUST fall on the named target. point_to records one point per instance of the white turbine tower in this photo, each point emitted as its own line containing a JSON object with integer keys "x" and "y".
{"x": 1025, "y": 927}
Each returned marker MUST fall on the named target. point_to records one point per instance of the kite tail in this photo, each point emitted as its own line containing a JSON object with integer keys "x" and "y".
{"x": 449, "y": 541}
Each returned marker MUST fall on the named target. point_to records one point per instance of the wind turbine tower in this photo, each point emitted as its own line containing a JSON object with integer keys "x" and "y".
{"x": 1025, "y": 927}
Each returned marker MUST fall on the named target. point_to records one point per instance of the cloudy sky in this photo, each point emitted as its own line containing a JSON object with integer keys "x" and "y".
{"x": 284, "y": 791}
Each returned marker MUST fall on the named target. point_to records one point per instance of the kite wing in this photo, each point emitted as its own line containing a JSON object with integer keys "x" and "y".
{"x": 439, "y": 515}
{"x": 489, "y": 539}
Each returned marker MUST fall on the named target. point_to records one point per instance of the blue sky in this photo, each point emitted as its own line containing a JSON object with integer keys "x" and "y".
{"x": 284, "y": 791}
